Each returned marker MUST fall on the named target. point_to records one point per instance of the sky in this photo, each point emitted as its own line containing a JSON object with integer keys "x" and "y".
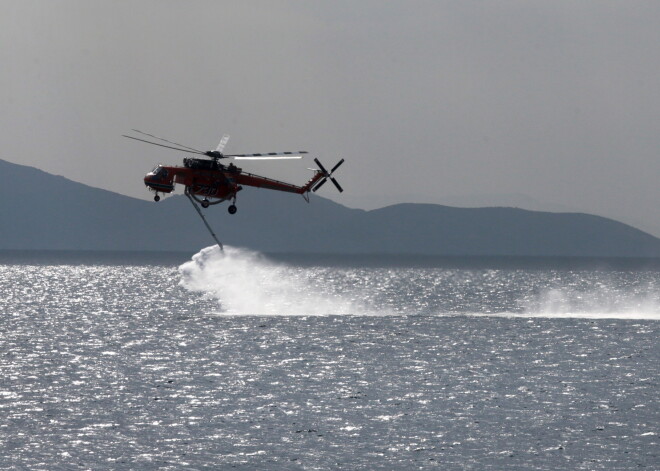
{"x": 548, "y": 105}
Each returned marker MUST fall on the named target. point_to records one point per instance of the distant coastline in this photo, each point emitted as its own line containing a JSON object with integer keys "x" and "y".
{"x": 64, "y": 215}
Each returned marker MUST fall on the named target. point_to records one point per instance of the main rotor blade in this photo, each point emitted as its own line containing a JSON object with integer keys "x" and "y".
{"x": 165, "y": 140}
{"x": 281, "y": 157}
{"x": 223, "y": 143}
{"x": 269, "y": 155}
{"x": 162, "y": 145}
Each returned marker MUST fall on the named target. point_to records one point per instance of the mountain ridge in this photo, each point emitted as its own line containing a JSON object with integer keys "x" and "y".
{"x": 43, "y": 211}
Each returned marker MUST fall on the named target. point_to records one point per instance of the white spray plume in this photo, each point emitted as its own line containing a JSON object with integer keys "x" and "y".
{"x": 605, "y": 302}
{"x": 247, "y": 283}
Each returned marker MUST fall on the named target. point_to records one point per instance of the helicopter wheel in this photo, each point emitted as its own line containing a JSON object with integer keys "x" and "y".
{"x": 156, "y": 198}
{"x": 205, "y": 203}
{"x": 232, "y": 209}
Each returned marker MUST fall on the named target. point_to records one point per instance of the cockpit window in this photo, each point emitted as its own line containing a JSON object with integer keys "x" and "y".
{"x": 159, "y": 171}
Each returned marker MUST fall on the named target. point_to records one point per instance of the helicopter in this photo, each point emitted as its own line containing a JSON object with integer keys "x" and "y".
{"x": 209, "y": 182}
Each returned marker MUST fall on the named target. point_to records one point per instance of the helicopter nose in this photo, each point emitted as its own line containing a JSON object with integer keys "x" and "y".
{"x": 148, "y": 180}
{"x": 157, "y": 183}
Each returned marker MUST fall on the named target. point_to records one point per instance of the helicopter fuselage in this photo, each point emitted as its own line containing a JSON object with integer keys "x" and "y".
{"x": 210, "y": 179}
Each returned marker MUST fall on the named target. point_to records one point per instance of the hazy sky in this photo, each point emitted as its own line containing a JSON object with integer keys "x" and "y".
{"x": 544, "y": 104}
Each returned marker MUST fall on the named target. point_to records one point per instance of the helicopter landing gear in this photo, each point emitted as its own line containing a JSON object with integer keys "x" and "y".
{"x": 232, "y": 209}
{"x": 205, "y": 203}
{"x": 156, "y": 198}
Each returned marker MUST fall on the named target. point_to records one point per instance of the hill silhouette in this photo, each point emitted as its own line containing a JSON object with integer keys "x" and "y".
{"x": 42, "y": 211}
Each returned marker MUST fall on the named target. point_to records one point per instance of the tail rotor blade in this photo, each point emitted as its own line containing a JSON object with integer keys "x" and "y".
{"x": 319, "y": 185}
{"x": 325, "y": 172}
{"x": 327, "y": 175}
{"x": 337, "y": 166}
{"x": 337, "y": 185}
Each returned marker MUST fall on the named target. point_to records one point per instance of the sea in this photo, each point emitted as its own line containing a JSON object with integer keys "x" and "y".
{"x": 240, "y": 360}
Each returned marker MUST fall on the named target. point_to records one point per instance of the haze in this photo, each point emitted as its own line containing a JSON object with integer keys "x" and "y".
{"x": 548, "y": 105}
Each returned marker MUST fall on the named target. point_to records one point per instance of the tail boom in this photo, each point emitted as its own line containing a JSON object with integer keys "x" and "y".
{"x": 263, "y": 182}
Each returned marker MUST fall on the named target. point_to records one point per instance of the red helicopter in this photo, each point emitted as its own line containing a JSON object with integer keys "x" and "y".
{"x": 208, "y": 182}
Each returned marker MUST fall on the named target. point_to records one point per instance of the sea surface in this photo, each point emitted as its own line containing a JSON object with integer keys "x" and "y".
{"x": 236, "y": 360}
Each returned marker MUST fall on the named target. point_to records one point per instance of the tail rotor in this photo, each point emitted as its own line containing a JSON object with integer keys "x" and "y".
{"x": 327, "y": 175}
